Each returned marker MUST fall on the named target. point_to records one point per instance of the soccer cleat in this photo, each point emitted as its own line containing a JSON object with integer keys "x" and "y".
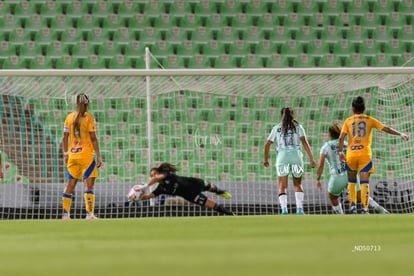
{"x": 90, "y": 216}
{"x": 285, "y": 211}
{"x": 353, "y": 210}
{"x": 364, "y": 211}
{"x": 299, "y": 211}
{"x": 224, "y": 194}
{"x": 381, "y": 210}
{"x": 66, "y": 217}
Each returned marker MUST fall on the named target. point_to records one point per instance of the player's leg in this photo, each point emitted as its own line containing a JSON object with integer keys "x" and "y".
{"x": 283, "y": 181}
{"x": 364, "y": 181}
{"x": 208, "y": 186}
{"x": 299, "y": 195}
{"x": 89, "y": 177}
{"x": 73, "y": 173}
{"x": 67, "y": 198}
{"x": 202, "y": 200}
{"x": 336, "y": 185}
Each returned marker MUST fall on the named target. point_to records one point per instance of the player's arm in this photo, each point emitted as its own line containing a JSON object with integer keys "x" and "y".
{"x": 321, "y": 164}
{"x": 308, "y": 150}
{"x": 266, "y": 153}
{"x": 65, "y": 143}
{"x": 147, "y": 196}
{"x": 396, "y": 132}
{"x": 96, "y": 148}
{"x": 341, "y": 146}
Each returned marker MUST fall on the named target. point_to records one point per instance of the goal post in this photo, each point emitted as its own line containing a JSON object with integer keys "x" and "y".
{"x": 212, "y": 123}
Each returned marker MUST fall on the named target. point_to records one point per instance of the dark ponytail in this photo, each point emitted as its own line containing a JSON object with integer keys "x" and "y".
{"x": 288, "y": 121}
{"x": 82, "y": 101}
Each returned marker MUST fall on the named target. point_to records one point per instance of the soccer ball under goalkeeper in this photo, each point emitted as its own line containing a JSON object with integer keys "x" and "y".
{"x": 135, "y": 193}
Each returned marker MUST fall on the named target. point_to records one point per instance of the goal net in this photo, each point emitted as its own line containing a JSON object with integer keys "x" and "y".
{"x": 213, "y": 124}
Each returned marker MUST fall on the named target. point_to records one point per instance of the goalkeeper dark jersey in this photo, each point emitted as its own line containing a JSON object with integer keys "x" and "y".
{"x": 186, "y": 187}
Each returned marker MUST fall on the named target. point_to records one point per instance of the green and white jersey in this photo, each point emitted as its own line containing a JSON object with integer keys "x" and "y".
{"x": 331, "y": 152}
{"x": 289, "y": 141}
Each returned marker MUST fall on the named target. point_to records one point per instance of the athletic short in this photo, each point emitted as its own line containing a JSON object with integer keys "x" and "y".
{"x": 82, "y": 168}
{"x": 360, "y": 164}
{"x": 191, "y": 189}
{"x": 290, "y": 162}
{"x": 338, "y": 183}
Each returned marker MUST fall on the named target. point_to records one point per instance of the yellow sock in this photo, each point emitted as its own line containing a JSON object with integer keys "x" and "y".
{"x": 352, "y": 192}
{"x": 66, "y": 203}
{"x": 365, "y": 195}
{"x": 89, "y": 197}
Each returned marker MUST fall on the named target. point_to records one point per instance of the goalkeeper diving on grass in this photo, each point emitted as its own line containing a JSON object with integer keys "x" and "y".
{"x": 190, "y": 188}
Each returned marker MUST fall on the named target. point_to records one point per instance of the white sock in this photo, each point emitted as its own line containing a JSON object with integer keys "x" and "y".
{"x": 283, "y": 201}
{"x": 299, "y": 199}
{"x": 372, "y": 203}
{"x": 338, "y": 209}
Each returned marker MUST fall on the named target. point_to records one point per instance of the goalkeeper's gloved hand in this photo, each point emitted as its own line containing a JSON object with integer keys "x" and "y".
{"x": 404, "y": 136}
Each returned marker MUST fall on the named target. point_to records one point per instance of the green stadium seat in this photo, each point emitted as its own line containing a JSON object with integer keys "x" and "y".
{"x": 120, "y": 62}
{"x": 174, "y": 62}
{"x": 41, "y": 62}
{"x": 45, "y": 36}
{"x": 253, "y": 61}
{"x": 226, "y": 34}
{"x": 102, "y": 9}
{"x": 24, "y": 9}
{"x": 51, "y": 9}
{"x": 84, "y": 49}
{"x": 135, "y": 49}
{"x": 35, "y": 22}
{"x": 15, "y": 62}
{"x": 57, "y": 49}
{"x": 128, "y": 8}
{"x": 228, "y": 61}
{"x": 163, "y": 48}
{"x": 113, "y": 22}
{"x": 19, "y": 36}
{"x": 239, "y": 48}
{"x": 88, "y": 22}
{"x": 180, "y": 8}
{"x": 164, "y": 22}
{"x": 231, "y": 7}
{"x": 216, "y": 21}
{"x": 259, "y": 7}
{"x": 176, "y": 35}
{"x": 31, "y": 49}
{"x": 71, "y": 36}
{"x": 108, "y": 49}
{"x": 7, "y": 49}
{"x": 200, "y": 62}
{"x": 10, "y": 22}
{"x": 124, "y": 36}
{"x": 75, "y": 9}
{"x": 216, "y": 48}
{"x": 60, "y": 22}
{"x": 94, "y": 62}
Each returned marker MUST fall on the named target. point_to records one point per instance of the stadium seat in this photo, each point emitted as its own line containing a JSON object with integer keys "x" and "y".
{"x": 199, "y": 62}
{"x": 84, "y": 49}
{"x": 253, "y": 61}
{"x": 88, "y": 22}
{"x": 7, "y": 49}
{"x": 31, "y": 49}
{"x": 51, "y": 9}
{"x": 41, "y": 62}
{"x": 71, "y": 36}
{"x": 56, "y": 49}
{"x": 35, "y": 22}
{"x": 163, "y": 48}
{"x": 19, "y": 36}
{"x": 102, "y": 9}
{"x": 120, "y": 62}
{"x": 124, "y": 36}
{"x": 10, "y": 22}
{"x": 108, "y": 49}
{"x": 174, "y": 62}
{"x": 113, "y": 22}
{"x": 15, "y": 62}
{"x": 94, "y": 62}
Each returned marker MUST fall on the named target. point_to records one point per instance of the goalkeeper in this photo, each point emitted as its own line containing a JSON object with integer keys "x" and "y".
{"x": 338, "y": 179}
{"x": 190, "y": 188}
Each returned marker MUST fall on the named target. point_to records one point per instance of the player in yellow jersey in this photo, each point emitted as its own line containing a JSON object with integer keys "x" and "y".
{"x": 82, "y": 156}
{"x": 358, "y": 128}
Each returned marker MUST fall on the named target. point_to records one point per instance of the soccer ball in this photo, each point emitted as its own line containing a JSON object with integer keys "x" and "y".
{"x": 135, "y": 193}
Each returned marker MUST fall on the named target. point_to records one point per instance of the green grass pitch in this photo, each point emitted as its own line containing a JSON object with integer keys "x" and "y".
{"x": 240, "y": 245}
